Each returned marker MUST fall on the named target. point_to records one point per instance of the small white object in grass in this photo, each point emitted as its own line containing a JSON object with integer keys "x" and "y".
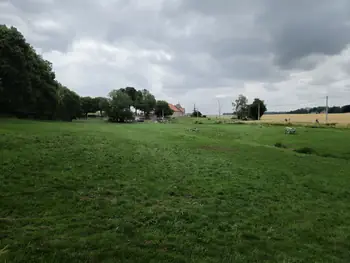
{"x": 289, "y": 130}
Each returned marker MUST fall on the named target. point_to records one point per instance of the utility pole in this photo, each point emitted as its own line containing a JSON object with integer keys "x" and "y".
{"x": 326, "y": 109}
{"x": 219, "y": 106}
{"x": 259, "y": 111}
{"x": 195, "y": 110}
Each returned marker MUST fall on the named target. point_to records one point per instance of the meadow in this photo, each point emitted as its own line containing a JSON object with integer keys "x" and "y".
{"x": 101, "y": 192}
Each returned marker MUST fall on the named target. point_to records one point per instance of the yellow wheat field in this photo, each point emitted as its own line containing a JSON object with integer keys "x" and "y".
{"x": 339, "y": 118}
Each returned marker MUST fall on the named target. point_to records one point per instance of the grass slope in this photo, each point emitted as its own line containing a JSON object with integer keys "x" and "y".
{"x": 99, "y": 192}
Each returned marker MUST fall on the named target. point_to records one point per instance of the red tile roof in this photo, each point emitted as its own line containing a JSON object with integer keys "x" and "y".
{"x": 182, "y": 110}
{"x": 173, "y": 108}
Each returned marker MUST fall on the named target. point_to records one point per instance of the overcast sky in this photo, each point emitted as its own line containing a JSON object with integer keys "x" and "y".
{"x": 290, "y": 53}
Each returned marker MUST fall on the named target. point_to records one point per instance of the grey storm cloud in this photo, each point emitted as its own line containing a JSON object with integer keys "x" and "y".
{"x": 302, "y": 28}
{"x": 178, "y": 46}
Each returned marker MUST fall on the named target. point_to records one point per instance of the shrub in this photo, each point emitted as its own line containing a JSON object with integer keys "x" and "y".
{"x": 237, "y": 122}
{"x": 204, "y": 116}
{"x": 198, "y": 122}
{"x": 305, "y": 150}
{"x": 280, "y": 145}
{"x": 209, "y": 119}
{"x": 217, "y": 122}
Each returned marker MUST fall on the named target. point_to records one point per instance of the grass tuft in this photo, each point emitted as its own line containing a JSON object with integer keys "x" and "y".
{"x": 305, "y": 150}
{"x": 280, "y": 145}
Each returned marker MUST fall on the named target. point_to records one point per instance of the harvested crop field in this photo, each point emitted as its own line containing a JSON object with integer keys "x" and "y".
{"x": 339, "y": 118}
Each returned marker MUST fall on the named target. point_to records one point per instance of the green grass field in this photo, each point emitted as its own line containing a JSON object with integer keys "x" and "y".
{"x": 101, "y": 192}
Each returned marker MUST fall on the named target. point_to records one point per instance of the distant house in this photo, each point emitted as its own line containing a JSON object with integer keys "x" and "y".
{"x": 177, "y": 109}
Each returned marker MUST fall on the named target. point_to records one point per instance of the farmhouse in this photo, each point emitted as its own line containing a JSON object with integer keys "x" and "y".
{"x": 178, "y": 110}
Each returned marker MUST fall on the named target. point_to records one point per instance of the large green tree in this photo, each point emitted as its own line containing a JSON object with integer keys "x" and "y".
{"x": 28, "y": 84}
{"x": 68, "y": 104}
{"x": 92, "y": 105}
{"x": 103, "y": 105}
{"x": 138, "y": 101}
{"x": 146, "y": 102}
{"x": 119, "y": 106}
{"x": 87, "y": 105}
{"x": 162, "y": 109}
{"x": 240, "y": 107}
{"x": 132, "y": 92}
{"x": 15, "y": 71}
{"x": 257, "y": 107}
{"x": 134, "y": 95}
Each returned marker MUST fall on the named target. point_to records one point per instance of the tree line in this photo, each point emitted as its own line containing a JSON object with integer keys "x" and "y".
{"x": 320, "y": 109}
{"x": 29, "y": 89}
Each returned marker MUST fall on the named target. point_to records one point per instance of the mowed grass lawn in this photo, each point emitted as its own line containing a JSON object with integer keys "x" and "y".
{"x": 101, "y": 192}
